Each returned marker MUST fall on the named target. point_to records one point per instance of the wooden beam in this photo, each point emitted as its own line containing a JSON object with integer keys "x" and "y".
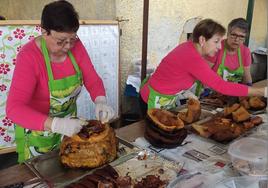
{"x": 37, "y": 22}
{"x": 7, "y": 150}
{"x": 144, "y": 39}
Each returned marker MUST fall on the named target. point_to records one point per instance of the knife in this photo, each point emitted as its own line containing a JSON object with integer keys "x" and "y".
{"x": 126, "y": 143}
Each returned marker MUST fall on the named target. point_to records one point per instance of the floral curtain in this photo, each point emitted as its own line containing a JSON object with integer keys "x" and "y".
{"x": 12, "y": 38}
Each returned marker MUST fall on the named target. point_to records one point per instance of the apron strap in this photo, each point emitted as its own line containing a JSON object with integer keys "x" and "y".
{"x": 47, "y": 61}
{"x": 20, "y": 142}
{"x": 240, "y": 70}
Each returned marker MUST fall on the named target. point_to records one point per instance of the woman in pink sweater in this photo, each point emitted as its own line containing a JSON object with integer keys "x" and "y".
{"x": 185, "y": 64}
{"x": 48, "y": 77}
{"x": 233, "y": 61}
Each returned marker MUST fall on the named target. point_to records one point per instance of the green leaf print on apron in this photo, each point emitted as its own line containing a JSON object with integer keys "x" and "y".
{"x": 158, "y": 100}
{"x": 63, "y": 96}
{"x": 231, "y": 75}
{"x": 225, "y": 72}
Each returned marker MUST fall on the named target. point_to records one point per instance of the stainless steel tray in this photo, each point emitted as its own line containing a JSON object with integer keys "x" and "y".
{"x": 223, "y": 144}
{"x": 141, "y": 163}
{"x": 49, "y": 169}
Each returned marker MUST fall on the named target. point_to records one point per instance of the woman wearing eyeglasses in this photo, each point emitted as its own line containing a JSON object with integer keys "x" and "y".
{"x": 232, "y": 62}
{"x": 185, "y": 64}
{"x": 50, "y": 71}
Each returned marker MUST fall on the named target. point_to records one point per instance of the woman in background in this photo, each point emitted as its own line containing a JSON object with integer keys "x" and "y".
{"x": 185, "y": 64}
{"x": 233, "y": 61}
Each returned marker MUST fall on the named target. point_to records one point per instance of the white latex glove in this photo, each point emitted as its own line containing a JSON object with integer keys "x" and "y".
{"x": 188, "y": 94}
{"x": 66, "y": 126}
{"x": 103, "y": 111}
{"x": 265, "y": 92}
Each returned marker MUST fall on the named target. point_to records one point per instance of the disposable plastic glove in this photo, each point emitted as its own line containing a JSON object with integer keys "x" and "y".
{"x": 66, "y": 126}
{"x": 103, "y": 112}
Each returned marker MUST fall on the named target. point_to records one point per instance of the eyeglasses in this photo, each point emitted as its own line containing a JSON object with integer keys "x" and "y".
{"x": 239, "y": 37}
{"x": 63, "y": 42}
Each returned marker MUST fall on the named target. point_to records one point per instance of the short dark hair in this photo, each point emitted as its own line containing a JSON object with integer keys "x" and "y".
{"x": 60, "y": 16}
{"x": 207, "y": 28}
{"x": 240, "y": 23}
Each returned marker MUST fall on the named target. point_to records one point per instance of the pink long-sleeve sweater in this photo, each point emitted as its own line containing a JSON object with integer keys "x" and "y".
{"x": 181, "y": 68}
{"x": 28, "y": 99}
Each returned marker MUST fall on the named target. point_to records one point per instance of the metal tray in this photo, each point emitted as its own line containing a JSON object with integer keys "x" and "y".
{"x": 141, "y": 163}
{"x": 49, "y": 169}
{"x": 223, "y": 144}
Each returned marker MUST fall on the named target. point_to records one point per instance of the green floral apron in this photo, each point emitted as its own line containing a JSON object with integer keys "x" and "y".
{"x": 63, "y": 95}
{"x": 225, "y": 72}
{"x": 231, "y": 75}
{"x": 158, "y": 100}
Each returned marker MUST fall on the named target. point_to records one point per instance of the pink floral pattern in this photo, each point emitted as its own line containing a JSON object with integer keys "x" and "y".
{"x": 2, "y": 56}
{"x": 14, "y": 61}
{"x": 11, "y": 37}
{"x": 7, "y": 122}
{"x": 4, "y": 68}
{"x": 2, "y": 131}
{"x": 7, "y": 138}
{"x": 3, "y": 87}
{"x": 19, "y": 33}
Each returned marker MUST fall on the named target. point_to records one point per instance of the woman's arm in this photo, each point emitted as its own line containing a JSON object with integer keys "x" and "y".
{"x": 257, "y": 91}
{"x": 247, "y": 79}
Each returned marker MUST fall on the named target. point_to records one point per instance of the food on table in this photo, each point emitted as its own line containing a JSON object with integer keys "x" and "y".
{"x": 256, "y": 120}
{"x": 230, "y": 109}
{"x": 164, "y": 119}
{"x": 252, "y": 103}
{"x": 193, "y": 111}
{"x": 244, "y": 102}
{"x": 107, "y": 177}
{"x": 151, "y": 181}
{"x": 164, "y": 129}
{"x": 93, "y": 146}
{"x": 224, "y": 129}
{"x": 217, "y": 99}
{"x": 256, "y": 103}
{"x": 241, "y": 114}
{"x": 202, "y": 130}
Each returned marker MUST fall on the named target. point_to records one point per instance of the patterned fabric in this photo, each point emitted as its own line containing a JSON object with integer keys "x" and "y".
{"x": 12, "y": 38}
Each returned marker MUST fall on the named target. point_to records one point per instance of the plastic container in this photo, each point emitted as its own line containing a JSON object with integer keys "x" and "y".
{"x": 249, "y": 156}
{"x": 242, "y": 182}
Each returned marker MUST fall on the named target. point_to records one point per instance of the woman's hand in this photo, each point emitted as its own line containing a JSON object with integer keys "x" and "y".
{"x": 103, "y": 111}
{"x": 66, "y": 126}
{"x": 257, "y": 91}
